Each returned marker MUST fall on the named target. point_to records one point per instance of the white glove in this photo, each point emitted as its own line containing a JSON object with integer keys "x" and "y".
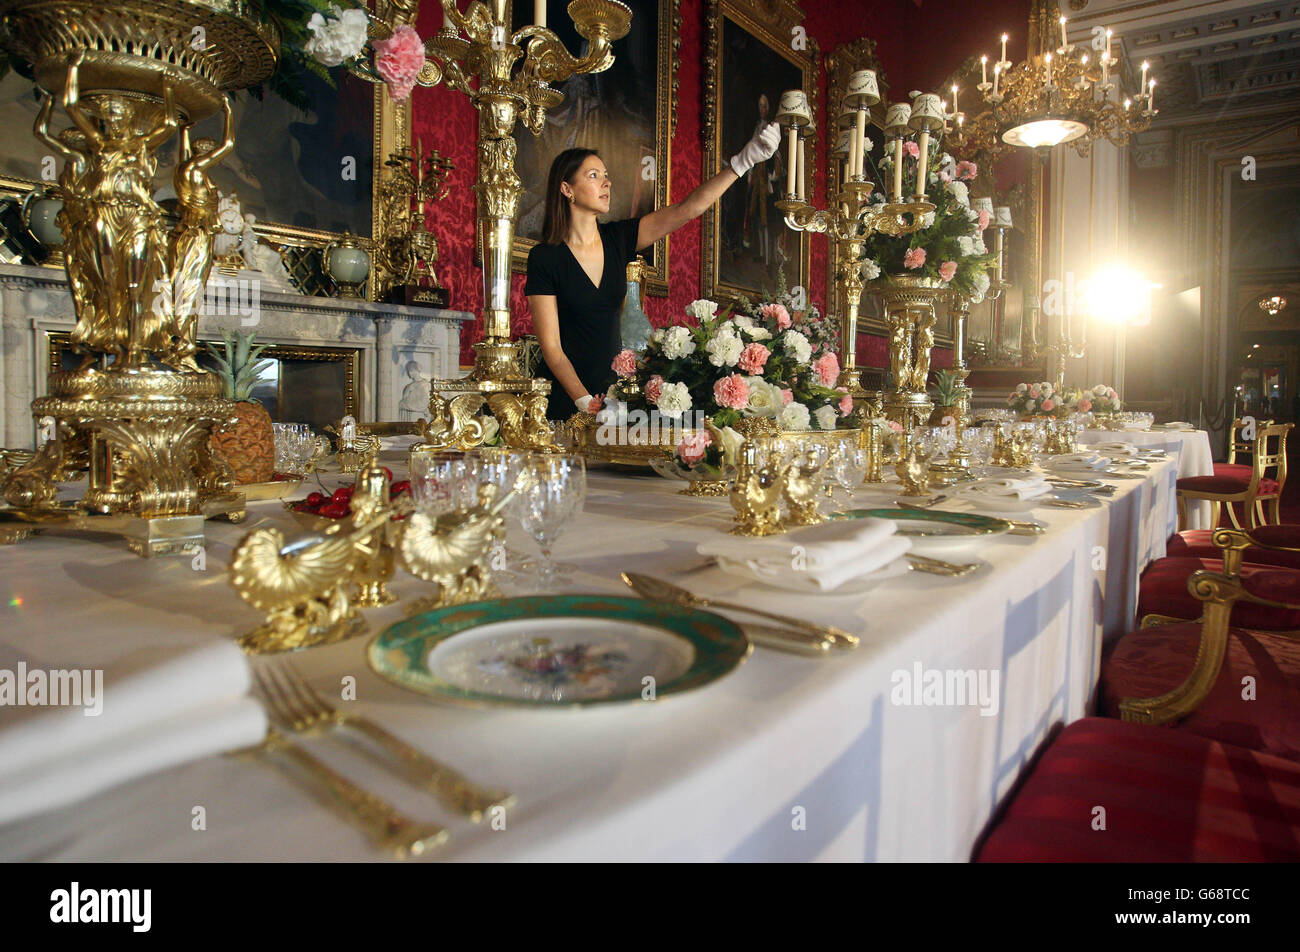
{"x": 758, "y": 149}
{"x": 582, "y": 402}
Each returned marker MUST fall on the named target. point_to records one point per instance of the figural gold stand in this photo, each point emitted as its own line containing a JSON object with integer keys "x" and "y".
{"x": 136, "y": 416}
{"x": 479, "y": 42}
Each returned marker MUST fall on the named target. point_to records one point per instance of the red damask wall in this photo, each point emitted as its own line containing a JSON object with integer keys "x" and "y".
{"x": 444, "y": 119}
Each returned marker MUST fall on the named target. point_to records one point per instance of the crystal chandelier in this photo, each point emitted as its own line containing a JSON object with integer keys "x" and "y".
{"x": 1061, "y": 93}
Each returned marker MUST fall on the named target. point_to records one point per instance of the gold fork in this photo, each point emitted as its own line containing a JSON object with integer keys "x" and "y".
{"x": 303, "y": 709}
{"x": 379, "y": 820}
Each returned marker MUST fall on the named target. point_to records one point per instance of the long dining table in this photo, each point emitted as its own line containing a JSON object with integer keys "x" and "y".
{"x": 786, "y": 758}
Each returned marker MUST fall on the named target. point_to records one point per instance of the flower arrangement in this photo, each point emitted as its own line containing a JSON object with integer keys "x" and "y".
{"x": 1100, "y": 399}
{"x": 709, "y": 451}
{"x": 949, "y": 246}
{"x": 1040, "y": 399}
{"x": 726, "y": 366}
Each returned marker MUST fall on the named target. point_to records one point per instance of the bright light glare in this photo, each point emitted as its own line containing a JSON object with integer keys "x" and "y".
{"x": 1119, "y": 295}
{"x": 1044, "y": 133}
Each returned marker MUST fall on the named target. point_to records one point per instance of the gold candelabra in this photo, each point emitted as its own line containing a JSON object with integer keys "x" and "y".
{"x": 850, "y": 218}
{"x": 478, "y": 43}
{"x": 1061, "y": 93}
{"x": 407, "y": 251}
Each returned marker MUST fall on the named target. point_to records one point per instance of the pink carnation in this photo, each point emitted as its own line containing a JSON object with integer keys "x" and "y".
{"x": 786, "y": 397}
{"x": 911, "y": 150}
{"x": 399, "y": 60}
{"x": 1049, "y": 405}
{"x": 914, "y": 258}
{"x": 752, "y": 358}
{"x": 966, "y": 171}
{"x": 732, "y": 392}
{"x": 1033, "y": 392}
{"x": 1084, "y": 406}
{"x": 985, "y": 218}
{"x": 776, "y": 312}
{"x": 846, "y": 405}
{"x": 947, "y": 270}
{"x": 827, "y": 368}
{"x": 653, "y": 388}
{"x": 944, "y": 176}
{"x": 691, "y": 449}
{"x": 624, "y": 363}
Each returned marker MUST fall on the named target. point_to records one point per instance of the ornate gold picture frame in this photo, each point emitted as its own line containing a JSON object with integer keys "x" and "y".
{"x": 609, "y": 111}
{"x": 756, "y": 50}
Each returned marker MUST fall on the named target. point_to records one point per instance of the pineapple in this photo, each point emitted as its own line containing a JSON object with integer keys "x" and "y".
{"x": 247, "y": 444}
{"x": 946, "y": 394}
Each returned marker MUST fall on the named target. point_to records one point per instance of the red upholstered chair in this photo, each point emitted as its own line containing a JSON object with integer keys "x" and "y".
{"x": 1251, "y": 485}
{"x": 1168, "y": 796}
{"x": 1235, "y": 685}
{"x": 1196, "y": 544}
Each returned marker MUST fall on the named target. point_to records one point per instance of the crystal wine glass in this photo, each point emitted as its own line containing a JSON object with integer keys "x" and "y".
{"x": 552, "y": 489}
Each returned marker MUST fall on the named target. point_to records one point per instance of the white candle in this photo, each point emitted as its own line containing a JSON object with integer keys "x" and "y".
{"x": 1105, "y": 70}
{"x": 1143, "y": 87}
{"x": 984, "y": 70}
{"x": 955, "y": 108}
{"x": 1063, "y": 43}
{"x": 1004, "y": 48}
{"x": 539, "y": 12}
{"x": 1047, "y": 70}
{"x": 997, "y": 71}
{"x": 898, "y": 170}
{"x": 800, "y": 178}
{"x": 923, "y": 163}
{"x": 1108, "y": 36}
{"x": 860, "y": 145}
{"x": 1151, "y": 92}
{"x": 790, "y": 162}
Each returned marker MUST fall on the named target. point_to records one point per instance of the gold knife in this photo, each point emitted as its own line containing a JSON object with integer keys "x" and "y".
{"x": 658, "y": 590}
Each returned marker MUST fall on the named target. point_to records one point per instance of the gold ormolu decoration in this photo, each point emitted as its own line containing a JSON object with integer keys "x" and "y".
{"x": 479, "y": 42}
{"x": 129, "y": 76}
{"x": 909, "y": 304}
{"x": 304, "y": 586}
{"x": 756, "y": 493}
{"x": 801, "y": 489}
{"x": 913, "y": 469}
{"x": 406, "y": 251}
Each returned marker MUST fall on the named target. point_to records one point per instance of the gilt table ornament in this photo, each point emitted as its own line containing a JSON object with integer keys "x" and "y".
{"x": 136, "y": 416}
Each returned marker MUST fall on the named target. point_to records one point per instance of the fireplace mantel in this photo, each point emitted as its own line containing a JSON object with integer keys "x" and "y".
{"x": 35, "y": 302}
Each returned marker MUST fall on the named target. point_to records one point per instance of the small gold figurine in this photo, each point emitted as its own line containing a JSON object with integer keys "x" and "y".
{"x": 756, "y": 495}
{"x": 913, "y": 469}
{"x": 800, "y": 486}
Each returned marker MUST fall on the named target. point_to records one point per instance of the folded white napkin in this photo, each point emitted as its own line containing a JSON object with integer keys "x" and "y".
{"x": 1031, "y": 488}
{"x": 1091, "y": 461}
{"x": 1116, "y": 448}
{"x": 828, "y": 554}
{"x": 156, "y": 711}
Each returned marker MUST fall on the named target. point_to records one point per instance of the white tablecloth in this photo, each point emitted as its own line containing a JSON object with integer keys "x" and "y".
{"x": 1193, "y": 451}
{"x": 787, "y": 758}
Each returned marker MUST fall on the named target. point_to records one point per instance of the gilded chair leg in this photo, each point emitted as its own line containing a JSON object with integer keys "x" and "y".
{"x": 1216, "y": 512}
{"x": 1276, "y": 506}
{"x": 1182, "y": 512}
{"x": 1184, "y": 699}
{"x": 1232, "y": 514}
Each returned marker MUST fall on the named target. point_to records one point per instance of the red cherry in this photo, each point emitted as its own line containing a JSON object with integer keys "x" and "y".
{"x": 343, "y": 494}
{"x": 335, "y": 510}
{"x": 399, "y": 487}
{"x": 388, "y": 473}
{"x": 315, "y": 499}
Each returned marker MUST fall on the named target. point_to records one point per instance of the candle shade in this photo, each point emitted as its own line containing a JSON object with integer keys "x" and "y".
{"x": 843, "y": 143}
{"x": 793, "y": 110}
{"x": 897, "y": 120}
{"x": 1002, "y": 217}
{"x": 927, "y": 114}
{"x": 982, "y": 205}
{"x": 862, "y": 89}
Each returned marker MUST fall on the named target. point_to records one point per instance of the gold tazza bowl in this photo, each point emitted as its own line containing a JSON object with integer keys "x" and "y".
{"x": 198, "y": 48}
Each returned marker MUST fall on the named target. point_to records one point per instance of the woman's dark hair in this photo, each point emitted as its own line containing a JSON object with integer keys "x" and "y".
{"x": 556, "y": 225}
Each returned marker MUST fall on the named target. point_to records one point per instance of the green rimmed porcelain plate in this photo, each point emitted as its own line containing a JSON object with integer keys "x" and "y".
{"x": 545, "y": 651}
{"x": 932, "y": 531}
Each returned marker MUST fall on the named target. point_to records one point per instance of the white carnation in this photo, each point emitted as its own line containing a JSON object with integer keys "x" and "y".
{"x": 758, "y": 333}
{"x": 966, "y": 246}
{"x": 677, "y": 342}
{"x": 870, "y": 270}
{"x": 794, "y": 417}
{"x": 724, "y": 349}
{"x": 674, "y": 400}
{"x": 927, "y": 219}
{"x": 980, "y": 247}
{"x": 972, "y": 215}
{"x": 797, "y": 346}
{"x": 702, "y": 309}
{"x": 656, "y": 335}
{"x": 826, "y": 417}
{"x": 960, "y": 192}
{"x": 982, "y": 282}
{"x": 335, "y": 40}
{"x": 743, "y": 321}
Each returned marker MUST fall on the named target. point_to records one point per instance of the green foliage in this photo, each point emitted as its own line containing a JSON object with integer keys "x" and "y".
{"x": 947, "y": 387}
{"x": 237, "y": 363}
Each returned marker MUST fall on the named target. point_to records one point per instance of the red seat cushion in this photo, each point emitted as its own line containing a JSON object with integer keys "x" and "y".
{"x": 1168, "y": 797}
{"x": 1163, "y": 591}
{"x": 1153, "y": 661}
{"x": 1197, "y": 544}
{"x": 1224, "y": 485}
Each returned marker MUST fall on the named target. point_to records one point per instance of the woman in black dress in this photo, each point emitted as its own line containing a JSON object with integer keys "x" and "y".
{"x": 577, "y": 275}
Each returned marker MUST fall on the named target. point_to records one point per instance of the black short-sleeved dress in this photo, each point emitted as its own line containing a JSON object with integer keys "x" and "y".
{"x": 590, "y": 333}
